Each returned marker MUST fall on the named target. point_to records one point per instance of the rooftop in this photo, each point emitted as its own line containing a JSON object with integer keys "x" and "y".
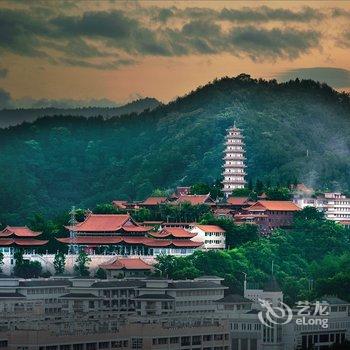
{"x": 234, "y": 299}
{"x": 177, "y": 232}
{"x": 273, "y": 206}
{"x": 195, "y": 199}
{"x": 127, "y": 264}
{"x": 19, "y": 231}
{"x": 211, "y": 228}
{"x": 154, "y": 200}
{"x": 104, "y": 223}
{"x": 237, "y": 200}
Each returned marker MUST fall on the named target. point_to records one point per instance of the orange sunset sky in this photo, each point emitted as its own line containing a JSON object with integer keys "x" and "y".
{"x": 117, "y": 51}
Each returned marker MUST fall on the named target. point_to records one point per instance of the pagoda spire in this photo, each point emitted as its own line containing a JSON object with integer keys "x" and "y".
{"x": 234, "y": 161}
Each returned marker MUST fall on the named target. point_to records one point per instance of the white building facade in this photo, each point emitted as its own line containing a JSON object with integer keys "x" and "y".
{"x": 212, "y": 236}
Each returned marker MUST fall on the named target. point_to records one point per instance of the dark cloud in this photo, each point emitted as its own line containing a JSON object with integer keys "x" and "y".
{"x": 103, "y": 65}
{"x": 266, "y": 14}
{"x": 3, "y": 73}
{"x": 163, "y": 15}
{"x": 110, "y": 39}
{"x": 335, "y": 77}
{"x": 344, "y": 39}
{"x": 339, "y": 12}
{"x": 275, "y": 43}
{"x": 19, "y": 33}
{"x": 5, "y": 99}
{"x": 115, "y": 28}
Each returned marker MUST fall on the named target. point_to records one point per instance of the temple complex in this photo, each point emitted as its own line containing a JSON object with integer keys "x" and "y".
{"x": 234, "y": 166}
{"x": 120, "y": 234}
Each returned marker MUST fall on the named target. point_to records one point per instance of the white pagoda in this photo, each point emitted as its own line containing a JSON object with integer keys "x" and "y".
{"x": 233, "y": 161}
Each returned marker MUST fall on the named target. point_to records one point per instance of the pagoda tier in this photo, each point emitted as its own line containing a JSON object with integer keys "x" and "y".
{"x": 22, "y": 236}
{"x": 234, "y": 157}
{"x": 234, "y": 161}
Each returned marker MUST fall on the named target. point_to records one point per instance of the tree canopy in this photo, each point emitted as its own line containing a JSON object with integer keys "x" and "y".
{"x": 57, "y": 162}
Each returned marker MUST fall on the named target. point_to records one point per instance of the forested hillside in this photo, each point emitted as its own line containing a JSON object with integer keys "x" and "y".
{"x": 295, "y": 130}
{"x": 17, "y": 116}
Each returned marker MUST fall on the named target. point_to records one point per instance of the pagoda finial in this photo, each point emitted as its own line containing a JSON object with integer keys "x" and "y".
{"x": 234, "y": 123}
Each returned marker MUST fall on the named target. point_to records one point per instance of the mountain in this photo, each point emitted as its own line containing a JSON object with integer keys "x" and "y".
{"x": 16, "y": 116}
{"x": 293, "y": 130}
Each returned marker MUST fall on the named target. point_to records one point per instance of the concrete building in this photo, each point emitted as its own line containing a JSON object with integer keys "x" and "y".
{"x": 211, "y": 236}
{"x": 234, "y": 167}
{"x": 334, "y": 205}
{"x": 90, "y": 314}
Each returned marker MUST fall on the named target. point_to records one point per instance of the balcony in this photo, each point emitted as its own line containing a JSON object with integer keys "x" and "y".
{"x": 234, "y": 166}
{"x": 234, "y": 158}
{"x": 232, "y": 181}
{"x": 230, "y": 173}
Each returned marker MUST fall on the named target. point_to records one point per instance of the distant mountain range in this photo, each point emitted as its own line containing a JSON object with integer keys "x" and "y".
{"x": 294, "y": 131}
{"x": 16, "y": 116}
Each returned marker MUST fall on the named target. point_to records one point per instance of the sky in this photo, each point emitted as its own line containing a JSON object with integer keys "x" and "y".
{"x": 112, "y": 52}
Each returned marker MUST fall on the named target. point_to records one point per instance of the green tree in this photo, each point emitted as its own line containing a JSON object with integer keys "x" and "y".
{"x": 200, "y": 188}
{"x": 1, "y": 261}
{"x": 279, "y": 193}
{"x": 24, "y": 268}
{"x": 81, "y": 266}
{"x": 106, "y": 209}
{"x": 159, "y": 193}
{"x": 309, "y": 214}
{"x": 59, "y": 263}
{"x": 101, "y": 274}
{"x": 18, "y": 257}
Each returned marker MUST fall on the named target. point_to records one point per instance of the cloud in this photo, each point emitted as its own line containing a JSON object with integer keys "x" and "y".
{"x": 103, "y": 65}
{"x": 3, "y": 73}
{"x": 266, "y": 14}
{"x": 115, "y": 38}
{"x": 344, "y": 39}
{"x": 19, "y": 32}
{"x": 275, "y": 43}
{"x": 335, "y": 77}
{"x": 5, "y": 99}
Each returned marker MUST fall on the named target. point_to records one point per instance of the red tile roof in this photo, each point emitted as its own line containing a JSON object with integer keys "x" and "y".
{"x": 23, "y": 242}
{"x": 237, "y": 200}
{"x": 18, "y": 231}
{"x": 120, "y": 204}
{"x": 273, "y": 206}
{"x": 195, "y": 199}
{"x": 127, "y": 264}
{"x": 176, "y": 232}
{"x": 211, "y": 228}
{"x": 146, "y": 241}
{"x": 105, "y": 223}
{"x": 154, "y": 200}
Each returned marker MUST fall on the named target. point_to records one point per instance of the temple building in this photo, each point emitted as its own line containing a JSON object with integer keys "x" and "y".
{"x": 20, "y": 237}
{"x": 126, "y": 267}
{"x": 234, "y": 166}
{"x": 268, "y": 215}
{"x": 120, "y": 234}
